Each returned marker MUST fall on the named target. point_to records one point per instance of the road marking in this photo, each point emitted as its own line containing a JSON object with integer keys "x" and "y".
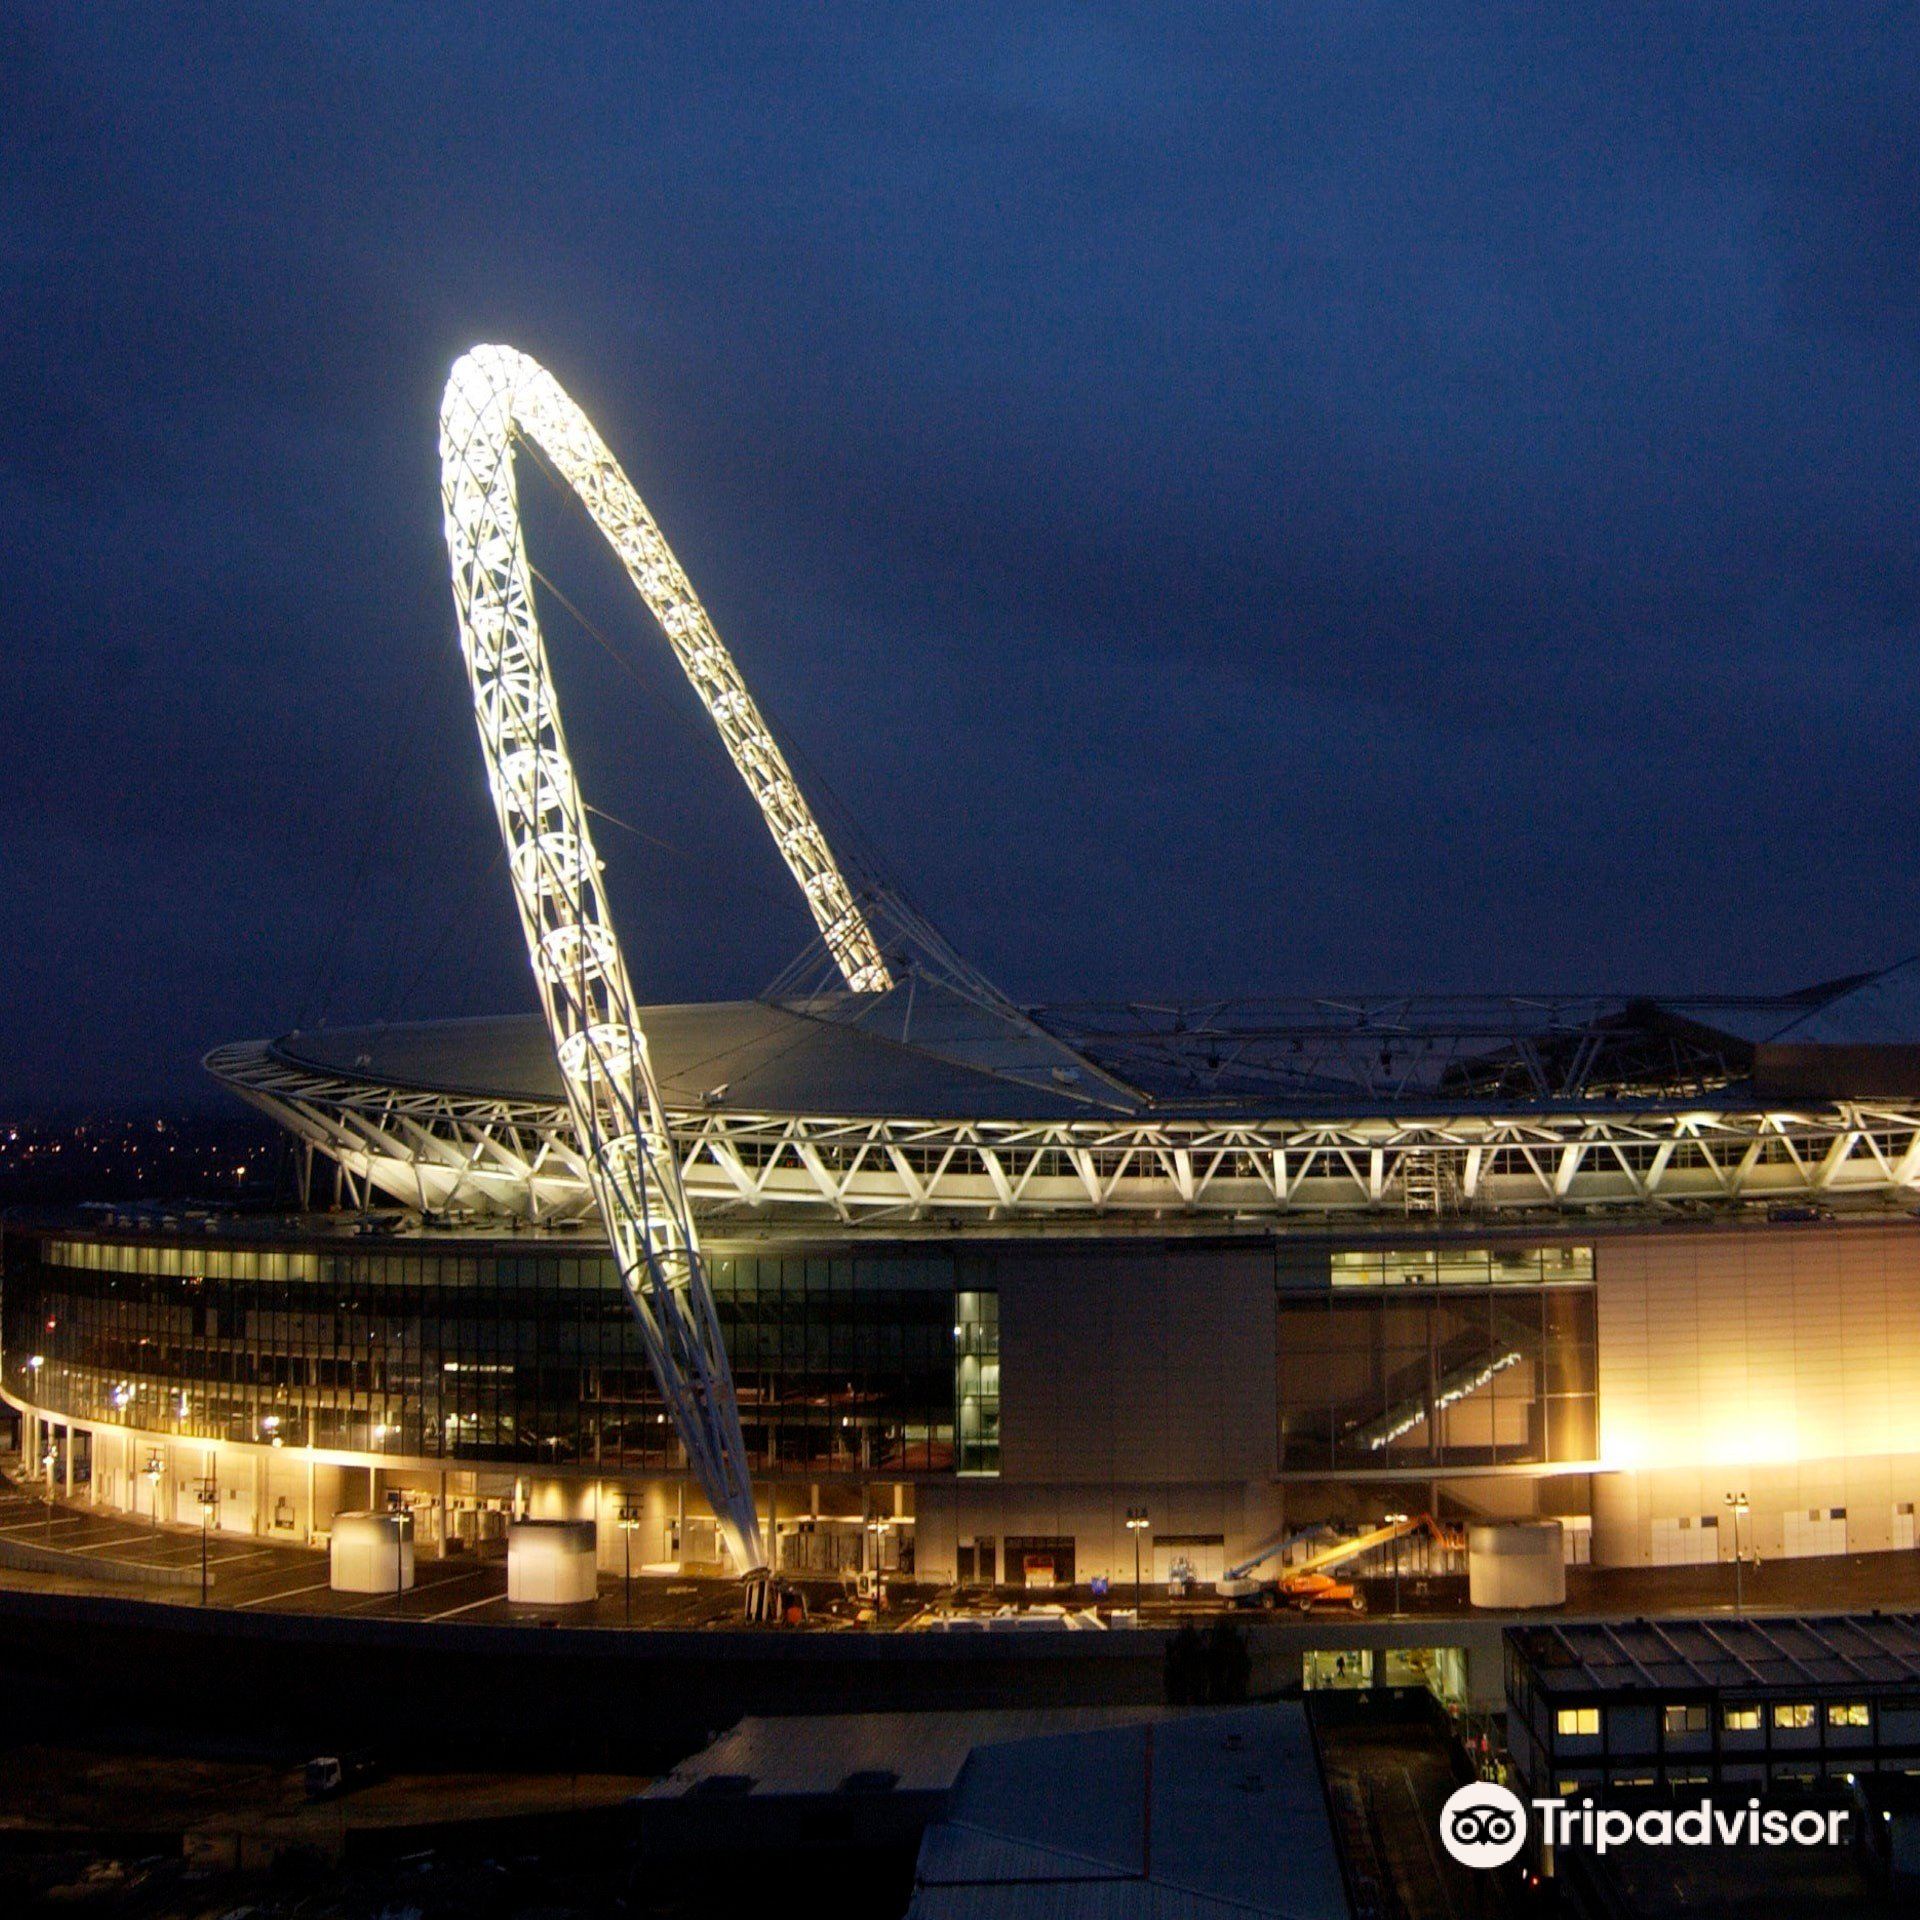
{"x": 266, "y": 1599}
{"x": 486, "y": 1600}
{"x": 399, "y": 1599}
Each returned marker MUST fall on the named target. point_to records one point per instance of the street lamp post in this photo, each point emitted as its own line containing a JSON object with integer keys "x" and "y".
{"x": 629, "y": 1520}
{"x": 402, "y": 1517}
{"x": 1396, "y": 1521}
{"x": 47, "y": 1460}
{"x": 208, "y": 1490}
{"x": 156, "y": 1466}
{"x": 1136, "y": 1525}
{"x": 1737, "y": 1504}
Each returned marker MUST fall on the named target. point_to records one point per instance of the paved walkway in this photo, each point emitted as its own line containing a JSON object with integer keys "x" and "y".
{"x": 248, "y": 1574}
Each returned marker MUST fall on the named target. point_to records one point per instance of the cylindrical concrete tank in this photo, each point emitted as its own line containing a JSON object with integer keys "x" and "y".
{"x": 551, "y": 1563}
{"x": 371, "y": 1552}
{"x": 1519, "y": 1564}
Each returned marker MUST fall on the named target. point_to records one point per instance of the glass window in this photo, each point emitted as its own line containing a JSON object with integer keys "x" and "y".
{"x": 976, "y": 1378}
{"x": 1684, "y": 1719}
{"x": 1741, "y": 1720}
{"x": 1793, "y": 1715}
{"x": 1440, "y": 1376}
{"x": 1849, "y": 1714}
{"x": 1577, "y": 1722}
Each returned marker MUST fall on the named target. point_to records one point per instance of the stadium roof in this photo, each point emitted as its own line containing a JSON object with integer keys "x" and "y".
{"x": 925, "y": 1049}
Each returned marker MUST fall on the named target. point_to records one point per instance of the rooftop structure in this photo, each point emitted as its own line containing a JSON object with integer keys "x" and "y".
{"x": 1754, "y": 1701}
{"x": 928, "y": 1101}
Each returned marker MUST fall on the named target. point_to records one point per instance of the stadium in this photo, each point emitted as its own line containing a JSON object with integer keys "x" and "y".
{"x": 882, "y": 1272}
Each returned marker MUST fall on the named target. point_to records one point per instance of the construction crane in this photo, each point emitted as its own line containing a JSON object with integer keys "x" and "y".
{"x": 1312, "y": 1583}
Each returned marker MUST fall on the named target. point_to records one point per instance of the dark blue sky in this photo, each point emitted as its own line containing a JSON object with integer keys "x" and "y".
{"x": 1242, "y": 500}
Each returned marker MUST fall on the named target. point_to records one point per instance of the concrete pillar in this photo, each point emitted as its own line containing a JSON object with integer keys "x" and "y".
{"x": 69, "y": 1459}
{"x": 312, "y": 1527}
{"x": 442, "y": 1552}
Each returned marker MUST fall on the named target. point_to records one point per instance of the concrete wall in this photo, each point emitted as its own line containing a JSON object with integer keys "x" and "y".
{"x": 1145, "y": 1381}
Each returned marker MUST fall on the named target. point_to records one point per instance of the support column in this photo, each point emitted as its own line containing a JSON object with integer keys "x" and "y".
{"x": 312, "y": 1518}
{"x": 69, "y": 1459}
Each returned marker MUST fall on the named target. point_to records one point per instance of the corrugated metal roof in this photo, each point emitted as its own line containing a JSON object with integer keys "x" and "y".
{"x": 1060, "y": 1825}
{"x": 814, "y": 1753}
{"x": 1748, "y": 1652}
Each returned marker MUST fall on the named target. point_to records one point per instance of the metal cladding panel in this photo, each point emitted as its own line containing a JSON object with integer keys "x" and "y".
{"x": 1783, "y": 1363}
{"x": 1156, "y": 1364}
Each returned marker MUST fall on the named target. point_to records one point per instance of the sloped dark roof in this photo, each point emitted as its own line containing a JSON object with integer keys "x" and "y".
{"x": 925, "y": 1051}
{"x": 938, "y": 1058}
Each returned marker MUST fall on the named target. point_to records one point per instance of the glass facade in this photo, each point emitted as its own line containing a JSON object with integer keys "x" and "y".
{"x": 1435, "y": 1358}
{"x": 874, "y": 1358}
{"x": 1497, "y": 1266}
{"x": 523, "y": 1352}
{"x": 976, "y": 1361}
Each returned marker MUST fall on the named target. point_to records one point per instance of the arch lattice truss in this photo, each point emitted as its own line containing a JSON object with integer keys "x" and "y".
{"x": 627, "y": 1151}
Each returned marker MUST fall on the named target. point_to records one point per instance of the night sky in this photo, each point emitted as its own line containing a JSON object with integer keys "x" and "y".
{"x": 1258, "y": 500}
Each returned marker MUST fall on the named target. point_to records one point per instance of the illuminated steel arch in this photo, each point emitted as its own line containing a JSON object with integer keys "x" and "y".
{"x": 492, "y": 393}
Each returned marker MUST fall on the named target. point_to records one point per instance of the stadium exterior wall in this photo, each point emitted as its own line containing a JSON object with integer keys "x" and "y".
{"x": 966, "y": 1405}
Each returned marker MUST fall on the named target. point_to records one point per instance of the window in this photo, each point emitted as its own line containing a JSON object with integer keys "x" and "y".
{"x": 1685, "y": 1719}
{"x": 1851, "y": 1713}
{"x": 976, "y": 1381}
{"x": 1577, "y": 1721}
{"x": 1461, "y": 1266}
{"x": 1414, "y": 1376}
{"x": 1794, "y": 1715}
{"x": 1741, "y": 1720}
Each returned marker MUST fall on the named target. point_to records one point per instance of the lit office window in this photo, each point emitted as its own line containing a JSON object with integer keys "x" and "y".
{"x": 1848, "y": 1714}
{"x": 1580, "y": 1721}
{"x": 976, "y": 1380}
{"x": 1685, "y": 1719}
{"x": 1793, "y": 1715}
{"x": 1500, "y": 1266}
{"x": 1741, "y": 1720}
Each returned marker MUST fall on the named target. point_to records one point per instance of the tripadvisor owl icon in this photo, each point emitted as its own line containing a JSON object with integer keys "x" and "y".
{"x": 1483, "y": 1824}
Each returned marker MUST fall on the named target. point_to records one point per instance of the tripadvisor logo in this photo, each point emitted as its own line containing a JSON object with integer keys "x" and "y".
{"x": 1484, "y": 1824}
